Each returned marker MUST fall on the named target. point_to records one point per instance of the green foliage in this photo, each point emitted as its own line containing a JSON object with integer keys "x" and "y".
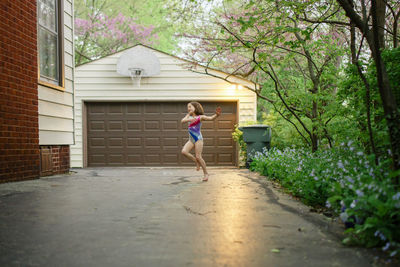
{"x": 97, "y": 34}
{"x": 237, "y": 136}
{"x": 283, "y": 134}
{"x": 391, "y": 57}
{"x": 157, "y": 13}
{"x": 345, "y": 110}
{"x": 346, "y": 181}
{"x": 352, "y": 95}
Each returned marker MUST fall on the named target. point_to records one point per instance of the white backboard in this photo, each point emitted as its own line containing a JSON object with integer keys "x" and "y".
{"x": 138, "y": 57}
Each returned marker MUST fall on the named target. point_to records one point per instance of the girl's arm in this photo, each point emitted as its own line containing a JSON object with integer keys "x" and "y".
{"x": 186, "y": 119}
{"x": 213, "y": 117}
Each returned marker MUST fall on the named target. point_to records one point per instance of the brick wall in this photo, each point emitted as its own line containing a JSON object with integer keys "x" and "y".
{"x": 54, "y": 160}
{"x": 60, "y": 159}
{"x": 19, "y": 135}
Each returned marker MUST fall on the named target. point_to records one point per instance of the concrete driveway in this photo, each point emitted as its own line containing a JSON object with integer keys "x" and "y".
{"x": 163, "y": 217}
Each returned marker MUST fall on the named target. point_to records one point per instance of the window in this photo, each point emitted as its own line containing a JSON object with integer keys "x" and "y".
{"x": 50, "y": 40}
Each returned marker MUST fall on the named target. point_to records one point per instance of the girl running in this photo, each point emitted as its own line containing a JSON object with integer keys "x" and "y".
{"x": 194, "y": 118}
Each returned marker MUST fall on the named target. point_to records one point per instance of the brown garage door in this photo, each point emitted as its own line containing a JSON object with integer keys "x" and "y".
{"x": 150, "y": 134}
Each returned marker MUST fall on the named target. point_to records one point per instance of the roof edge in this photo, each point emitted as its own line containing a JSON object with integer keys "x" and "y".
{"x": 155, "y": 49}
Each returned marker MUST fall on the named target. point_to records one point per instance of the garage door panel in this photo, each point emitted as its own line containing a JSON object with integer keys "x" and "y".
{"x": 115, "y": 125}
{"x": 151, "y": 159}
{"x": 109, "y": 150}
{"x": 134, "y": 142}
{"x": 208, "y": 157}
{"x": 151, "y": 134}
{"x": 171, "y": 159}
{"x": 97, "y": 109}
{"x": 209, "y": 108}
{"x": 97, "y": 125}
{"x": 97, "y": 142}
{"x": 152, "y": 108}
{"x": 171, "y": 109}
{"x": 170, "y": 125}
{"x": 152, "y": 125}
{"x": 205, "y": 125}
{"x": 133, "y": 125}
{"x": 224, "y": 124}
{"x": 224, "y": 142}
{"x": 184, "y": 159}
{"x": 171, "y": 142}
{"x": 134, "y": 109}
{"x": 208, "y": 142}
{"x": 116, "y": 142}
{"x": 115, "y": 109}
{"x": 152, "y": 142}
{"x": 225, "y": 157}
{"x": 115, "y": 158}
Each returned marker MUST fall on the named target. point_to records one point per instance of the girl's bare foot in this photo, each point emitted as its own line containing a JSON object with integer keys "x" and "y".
{"x": 205, "y": 178}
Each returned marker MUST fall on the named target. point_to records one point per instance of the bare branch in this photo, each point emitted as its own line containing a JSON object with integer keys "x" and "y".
{"x": 294, "y": 125}
{"x": 235, "y": 83}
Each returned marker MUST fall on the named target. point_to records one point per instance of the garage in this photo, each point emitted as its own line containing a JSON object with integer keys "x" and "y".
{"x": 150, "y": 134}
{"x": 123, "y": 121}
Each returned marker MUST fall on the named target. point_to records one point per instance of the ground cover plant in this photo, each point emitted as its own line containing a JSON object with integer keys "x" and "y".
{"x": 345, "y": 181}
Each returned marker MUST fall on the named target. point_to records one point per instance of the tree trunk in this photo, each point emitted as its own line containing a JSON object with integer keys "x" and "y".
{"x": 367, "y": 89}
{"x": 390, "y": 106}
{"x": 314, "y": 131}
{"x": 395, "y": 27}
{"x": 389, "y": 101}
{"x": 381, "y": 16}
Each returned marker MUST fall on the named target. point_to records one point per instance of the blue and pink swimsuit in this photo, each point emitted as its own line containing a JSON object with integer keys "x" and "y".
{"x": 194, "y": 130}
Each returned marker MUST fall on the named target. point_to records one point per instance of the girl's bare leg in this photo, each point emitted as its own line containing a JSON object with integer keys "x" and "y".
{"x": 186, "y": 152}
{"x": 198, "y": 150}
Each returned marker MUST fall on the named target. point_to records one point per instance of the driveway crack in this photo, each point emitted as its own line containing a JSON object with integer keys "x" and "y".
{"x": 189, "y": 210}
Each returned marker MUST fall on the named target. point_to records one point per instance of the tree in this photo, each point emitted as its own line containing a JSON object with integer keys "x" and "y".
{"x": 103, "y": 27}
{"x": 370, "y": 20}
{"x": 265, "y": 43}
{"x": 101, "y": 35}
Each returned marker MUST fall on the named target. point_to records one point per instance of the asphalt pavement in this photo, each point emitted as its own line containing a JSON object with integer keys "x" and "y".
{"x": 164, "y": 217}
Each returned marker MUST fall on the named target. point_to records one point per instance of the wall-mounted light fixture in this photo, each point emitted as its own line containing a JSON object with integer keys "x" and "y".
{"x": 235, "y": 87}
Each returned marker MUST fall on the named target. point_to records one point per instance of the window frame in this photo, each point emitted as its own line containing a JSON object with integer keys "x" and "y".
{"x": 60, "y": 46}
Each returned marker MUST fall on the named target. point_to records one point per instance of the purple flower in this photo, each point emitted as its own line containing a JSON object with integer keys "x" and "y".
{"x": 349, "y": 143}
{"x": 350, "y": 180}
{"x": 359, "y": 193}
{"x": 340, "y": 164}
{"x": 386, "y": 247}
{"x": 328, "y": 204}
{"x": 382, "y": 237}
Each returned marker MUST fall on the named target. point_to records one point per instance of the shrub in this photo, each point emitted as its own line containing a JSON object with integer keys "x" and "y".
{"x": 237, "y": 136}
{"x": 346, "y": 181}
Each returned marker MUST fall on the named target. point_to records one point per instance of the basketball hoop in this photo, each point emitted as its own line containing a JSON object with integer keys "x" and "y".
{"x": 138, "y": 62}
{"x": 136, "y": 75}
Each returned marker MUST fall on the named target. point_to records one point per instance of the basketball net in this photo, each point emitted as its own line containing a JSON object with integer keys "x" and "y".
{"x": 136, "y": 75}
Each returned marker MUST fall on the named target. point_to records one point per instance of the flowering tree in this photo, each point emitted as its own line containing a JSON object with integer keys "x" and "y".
{"x": 101, "y": 35}
{"x": 288, "y": 44}
{"x": 376, "y": 22}
{"x": 295, "y": 63}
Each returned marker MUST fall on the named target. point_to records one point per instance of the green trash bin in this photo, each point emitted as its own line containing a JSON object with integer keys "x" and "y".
{"x": 256, "y": 138}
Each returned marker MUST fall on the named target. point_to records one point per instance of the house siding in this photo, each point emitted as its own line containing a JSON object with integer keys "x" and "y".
{"x": 19, "y": 140}
{"x": 56, "y": 120}
{"x": 99, "y": 81}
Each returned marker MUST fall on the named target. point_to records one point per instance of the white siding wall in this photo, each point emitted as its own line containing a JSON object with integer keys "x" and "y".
{"x": 99, "y": 81}
{"x": 56, "y": 120}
